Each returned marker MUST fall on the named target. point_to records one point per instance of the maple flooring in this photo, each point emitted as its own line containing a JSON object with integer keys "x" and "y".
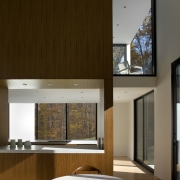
{"x": 130, "y": 170}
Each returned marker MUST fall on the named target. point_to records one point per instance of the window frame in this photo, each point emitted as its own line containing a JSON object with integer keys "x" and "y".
{"x": 136, "y": 132}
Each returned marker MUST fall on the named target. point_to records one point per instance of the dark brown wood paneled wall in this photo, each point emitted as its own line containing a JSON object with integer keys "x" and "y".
{"x": 4, "y": 116}
{"x": 55, "y": 39}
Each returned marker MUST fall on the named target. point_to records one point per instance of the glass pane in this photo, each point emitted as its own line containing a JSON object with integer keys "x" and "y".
{"x": 141, "y": 46}
{"x": 81, "y": 121}
{"x": 140, "y": 128}
{"x": 149, "y": 130}
{"x": 178, "y": 120}
{"x": 133, "y": 27}
{"x": 51, "y": 122}
{"x": 119, "y": 57}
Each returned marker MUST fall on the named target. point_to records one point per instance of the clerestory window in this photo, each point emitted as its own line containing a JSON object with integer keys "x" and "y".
{"x": 134, "y": 49}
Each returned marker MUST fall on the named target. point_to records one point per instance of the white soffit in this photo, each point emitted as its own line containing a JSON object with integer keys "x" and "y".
{"x": 54, "y": 91}
{"x": 54, "y": 96}
{"x": 122, "y": 95}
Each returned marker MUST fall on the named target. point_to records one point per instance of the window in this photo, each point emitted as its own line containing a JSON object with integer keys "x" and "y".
{"x": 144, "y": 130}
{"x": 53, "y": 121}
{"x": 81, "y": 121}
{"x": 66, "y": 121}
{"x": 139, "y": 58}
{"x": 119, "y": 57}
{"x": 175, "y": 68}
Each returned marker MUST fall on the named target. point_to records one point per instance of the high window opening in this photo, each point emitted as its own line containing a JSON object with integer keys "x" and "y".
{"x": 134, "y": 27}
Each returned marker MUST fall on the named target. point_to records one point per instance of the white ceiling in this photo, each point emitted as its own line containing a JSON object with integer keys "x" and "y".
{"x": 128, "y": 15}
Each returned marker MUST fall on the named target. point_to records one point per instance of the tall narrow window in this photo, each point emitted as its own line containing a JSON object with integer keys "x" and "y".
{"x": 144, "y": 130}
{"x": 176, "y": 119}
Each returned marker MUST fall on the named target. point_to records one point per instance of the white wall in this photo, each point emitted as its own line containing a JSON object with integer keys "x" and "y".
{"x": 21, "y": 121}
{"x": 168, "y": 49}
{"x": 123, "y": 133}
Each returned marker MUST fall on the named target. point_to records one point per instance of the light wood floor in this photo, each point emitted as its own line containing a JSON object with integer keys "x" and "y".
{"x": 130, "y": 170}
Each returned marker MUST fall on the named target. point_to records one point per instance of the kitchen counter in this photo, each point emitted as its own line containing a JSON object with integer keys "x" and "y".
{"x": 52, "y": 149}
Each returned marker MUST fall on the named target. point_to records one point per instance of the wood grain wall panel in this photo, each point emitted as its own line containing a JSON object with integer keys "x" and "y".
{"x": 108, "y": 124}
{"x": 58, "y": 39}
{"x": 4, "y": 116}
{"x": 79, "y": 63}
{"x": 95, "y": 38}
{"x": 45, "y": 166}
{"x": 57, "y": 36}
{"x": 3, "y": 38}
{"x": 107, "y": 42}
{"x": 71, "y": 38}
{"x": 37, "y": 61}
{"x": 55, "y": 39}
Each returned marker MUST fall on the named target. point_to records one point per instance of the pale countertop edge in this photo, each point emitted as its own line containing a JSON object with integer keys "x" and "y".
{"x": 49, "y": 149}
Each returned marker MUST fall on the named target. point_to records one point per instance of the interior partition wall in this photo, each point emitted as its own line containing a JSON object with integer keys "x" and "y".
{"x": 50, "y": 39}
{"x": 144, "y": 130}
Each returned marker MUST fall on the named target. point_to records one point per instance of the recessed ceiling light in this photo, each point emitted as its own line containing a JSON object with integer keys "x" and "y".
{"x": 124, "y": 6}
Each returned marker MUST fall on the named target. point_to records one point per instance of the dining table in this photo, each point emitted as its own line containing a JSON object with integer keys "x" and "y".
{"x": 88, "y": 177}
